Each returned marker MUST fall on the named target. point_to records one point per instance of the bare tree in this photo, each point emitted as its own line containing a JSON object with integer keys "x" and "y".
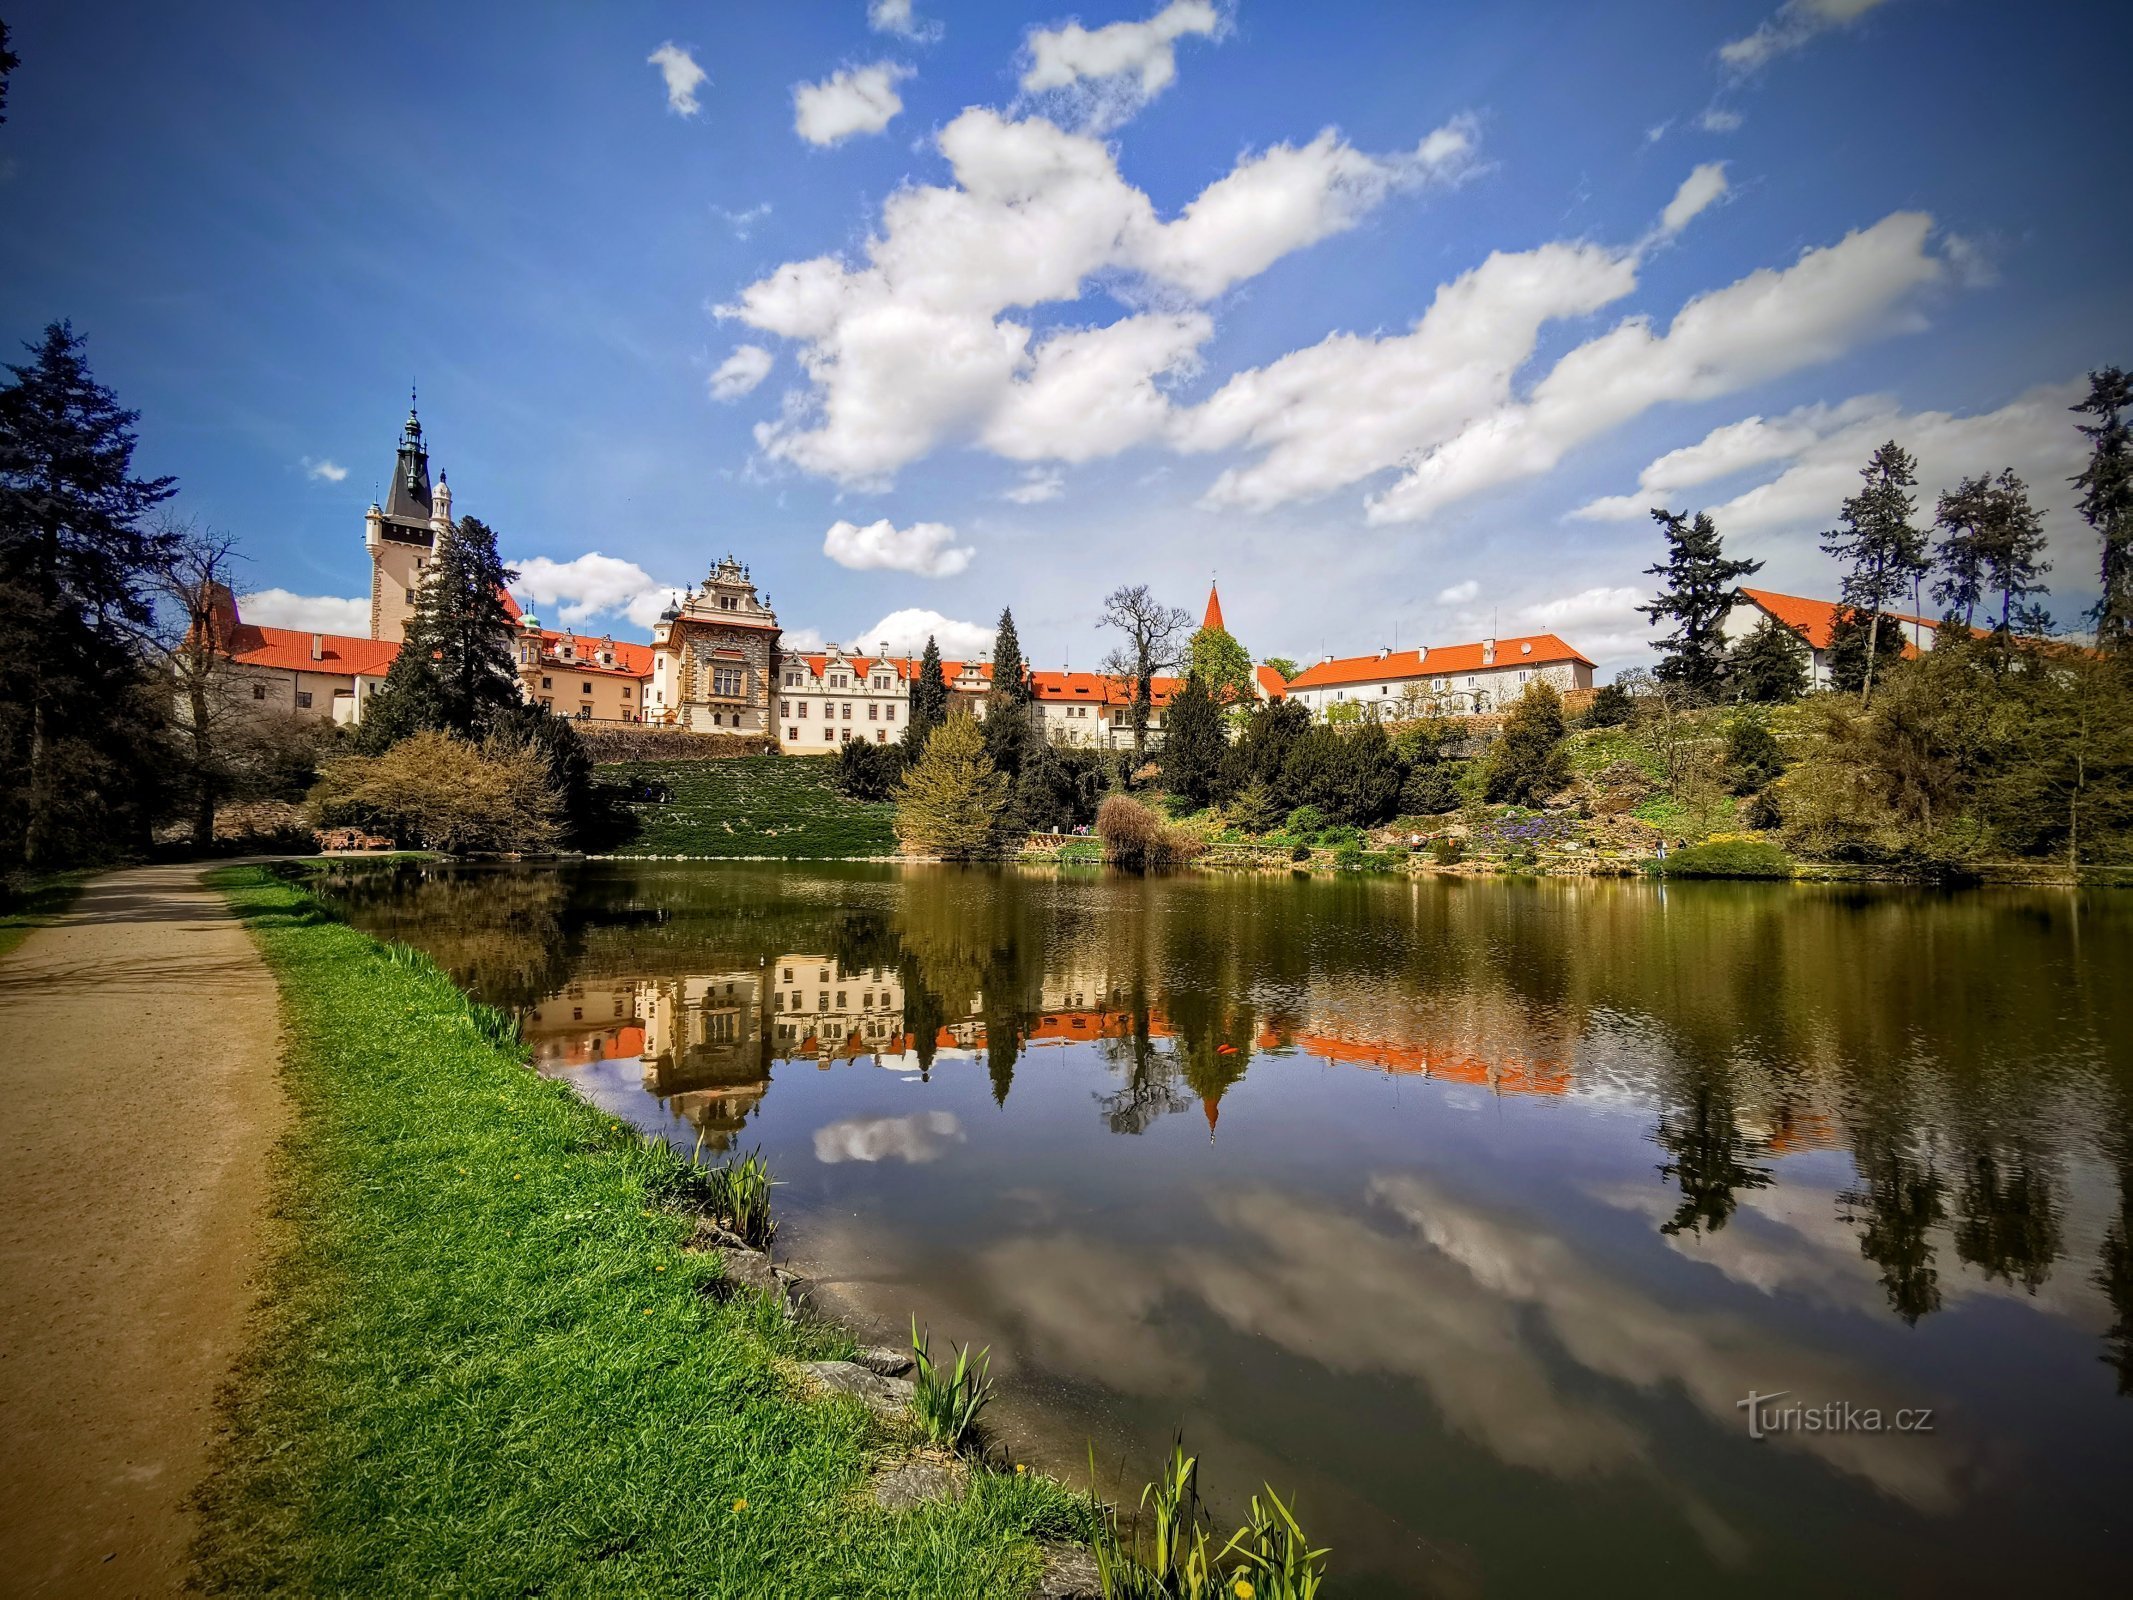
{"x": 199, "y": 618}
{"x": 1153, "y": 638}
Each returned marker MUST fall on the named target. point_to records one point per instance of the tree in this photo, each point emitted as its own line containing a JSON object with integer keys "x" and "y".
{"x": 1261, "y": 752}
{"x": 1194, "y": 751}
{"x": 442, "y": 793}
{"x": 1768, "y": 666}
{"x": 194, "y": 581}
{"x": 1886, "y": 555}
{"x": 566, "y": 767}
{"x": 1151, "y": 633}
{"x": 1285, "y": 665}
{"x": 1699, "y": 589}
{"x": 1222, "y": 664}
{"x": 1611, "y": 706}
{"x": 1010, "y": 736}
{"x": 869, "y": 771}
{"x": 454, "y": 673}
{"x": 1853, "y": 642}
{"x": 2106, "y": 503}
{"x": 1753, "y": 755}
{"x": 1371, "y": 775}
{"x": 9, "y": 61}
{"x": 1991, "y": 549}
{"x": 952, "y": 801}
{"x": 77, "y": 559}
{"x": 929, "y": 701}
{"x": 1529, "y": 763}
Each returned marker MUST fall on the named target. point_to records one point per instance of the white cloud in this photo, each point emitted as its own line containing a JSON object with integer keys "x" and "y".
{"x": 1603, "y": 622}
{"x": 1971, "y": 259}
{"x": 852, "y": 101}
{"x": 1736, "y": 447}
{"x": 1717, "y": 119}
{"x": 742, "y": 222}
{"x": 905, "y": 632}
{"x": 1038, "y": 485}
{"x": 1792, "y": 26}
{"x": 592, "y": 585}
{"x": 740, "y": 372}
{"x": 324, "y": 471}
{"x": 1112, "y": 71}
{"x": 894, "y": 16}
{"x": 927, "y": 549}
{"x": 307, "y": 613}
{"x": 683, "y": 77}
{"x": 1700, "y": 189}
{"x": 1459, "y": 593}
{"x": 921, "y": 1137}
{"x": 1766, "y": 324}
{"x": 912, "y": 349}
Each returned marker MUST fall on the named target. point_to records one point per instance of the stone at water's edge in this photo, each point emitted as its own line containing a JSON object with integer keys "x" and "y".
{"x": 847, "y": 1377}
{"x": 885, "y": 1359}
{"x": 1069, "y": 1574}
{"x": 915, "y": 1483}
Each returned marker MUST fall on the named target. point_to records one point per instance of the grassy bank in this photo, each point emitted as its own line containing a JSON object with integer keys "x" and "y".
{"x": 778, "y": 806}
{"x": 37, "y": 903}
{"x": 487, "y": 1366}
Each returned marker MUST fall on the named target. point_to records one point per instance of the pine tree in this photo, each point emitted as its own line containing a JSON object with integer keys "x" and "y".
{"x": 1700, "y": 588}
{"x": 1371, "y": 776}
{"x": 9, "y": 61}
{"x": 1991, "y": 549}
{"x": 1886, "y": 553}
{"x": 1193, "y": 752}
{"x": 2106, "y": 503}
{"x": 76, "y": 559}
{"x": 454, "y": 672}
{"x": 1529, "y": 762}
{"x": 1768, "y": 666}
{"x": 1009, "y": 733}
{"x": 952, "y": 801}
{"x": 1851, "y": 636}
{"x": 929, "y": 700}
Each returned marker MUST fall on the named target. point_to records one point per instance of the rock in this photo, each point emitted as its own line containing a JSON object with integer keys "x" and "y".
{"x": 1069, "y": 1574}
{"x": 794, "y": 1289}
{"x": 751, "y": 1269}
{"x": 886, "y": 1395}
{"x": 885, "y": 1359}
{"x": 711, "y": 1234}
{"x": 914, "y": 1483}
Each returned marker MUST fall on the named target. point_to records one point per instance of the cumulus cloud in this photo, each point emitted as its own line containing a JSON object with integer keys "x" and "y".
{"x": 740, "y": 372}
{"x": 1459, "y": 593}
{"x": 927, "y": 549}
{"x": 742, "y": 222}
{"x": 905, "y": 632}
{"x": 1603, "y": 621}
{"x": 1769, "y": 323}
{"x": 324, "y": 471}
{"x": 919, "y": 1138}
{"x": 683, "y": 77}
{"x": 894, "y": 16}
{"x": 1736, "y": 447}
{"x": 592, "y": 585}
{"x": 1038, "y": 485}
{"x": 852, "y": 101}
{"x": 914, "y": 348}
{"x": 1700, "y": 189}
{"x": 1791, "y": 27}
{"x": 1112, "y": 71}
{"x": 307, "y": 613}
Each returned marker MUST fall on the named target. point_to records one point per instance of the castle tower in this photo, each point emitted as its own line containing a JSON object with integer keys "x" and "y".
{"x": 401, "y": 535}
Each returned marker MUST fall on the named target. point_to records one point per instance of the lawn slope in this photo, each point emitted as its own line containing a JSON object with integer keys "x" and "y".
{"x": 786, "y": 807}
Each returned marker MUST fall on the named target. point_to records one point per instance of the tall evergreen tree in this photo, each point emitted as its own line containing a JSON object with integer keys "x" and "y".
{"x": 953, "y": 801}
{"x": 2106, "y": 503}
{"x": 454, "y": 672}
{"x": 1699, "y": 589}
{"x": 1009, "y": 733}
{"x": 1885, "y": 553}
{"x": 76, "y": 559}
{"x": 1193, "y": 752}
{"x": 1991, "y": 554}
{"x": 929, "y": 700}
{"x": 1767, "y": 667}
{"x": 9, "y": 61}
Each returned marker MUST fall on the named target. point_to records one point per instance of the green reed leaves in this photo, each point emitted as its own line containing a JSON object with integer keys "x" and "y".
{"x": 1267, "y": 1559}
{"x": 947, "y": 1402}
{"x": 738, "y": 1194}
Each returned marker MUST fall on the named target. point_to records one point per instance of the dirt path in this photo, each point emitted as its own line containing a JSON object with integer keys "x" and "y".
{"x": 139, "y": 1097}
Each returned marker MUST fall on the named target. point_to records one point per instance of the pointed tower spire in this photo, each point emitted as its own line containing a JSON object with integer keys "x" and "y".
{"x": 1214, "y": 609}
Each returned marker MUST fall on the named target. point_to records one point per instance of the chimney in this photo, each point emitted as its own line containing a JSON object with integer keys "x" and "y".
{"x": 1488, "y": 652}
{"x": 1383, "y": 652}
{"x": 318, "y": 647}
{"x": 1327, "y": 657}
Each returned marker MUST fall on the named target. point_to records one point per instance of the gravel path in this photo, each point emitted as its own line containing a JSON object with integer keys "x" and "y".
{"x": 139, "y": 1099}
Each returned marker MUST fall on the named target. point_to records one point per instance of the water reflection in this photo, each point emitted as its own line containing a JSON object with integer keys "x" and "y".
{"x": 1452, "y": 1204}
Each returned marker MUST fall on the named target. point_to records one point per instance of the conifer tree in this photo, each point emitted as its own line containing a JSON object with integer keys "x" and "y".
{"x": 76, "y": 560}
{"x": 953, "y": 801}
{"x": 1991, "y": 554}
{"x": 1009, "y": 734}
{"x": 2106, "y": 503}
{"x": 1768, "y": 666}
{"x": 454, "y": 672}
{"x": 1193, "y": 753}
{"x": 929, "y": 699}
{"x": 1529, "y": 763}
{"x": 1699, "y": 589}
{"x": 9, "y": 61}
{"x": 1886, "y": 554}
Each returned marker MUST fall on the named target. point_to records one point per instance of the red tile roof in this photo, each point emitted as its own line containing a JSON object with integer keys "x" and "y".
{"x": 1213, "y": 619}
{"x": 1271, "y": 683}
{"x": 907, "y": 667}
{"x": 1816, "y": 620}
{"x": 1095, "y": 688}
{"x": 1528, "y": 650}
{"x": 631, "y": 660}
{"x": 287, "y": 650}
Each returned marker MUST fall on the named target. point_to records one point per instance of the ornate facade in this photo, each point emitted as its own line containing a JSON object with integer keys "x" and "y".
{"x": 715, "y": 657}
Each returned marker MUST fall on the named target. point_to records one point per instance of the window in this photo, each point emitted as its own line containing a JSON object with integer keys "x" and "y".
{"x": 803, "y": 708}
{"x": 888, "y": 713}
{"x": 873, "y": 713}
{"x": 726, "y": 682}
{"x": 585, "y": 713}
{"x": 840, "y": 999}
{"x": 881, "y": 735}
{"x": 625, "y": 691}
{"x": 792, "y": 733}
{"x": 847, "y": 733}
{"x": 303, "y": 698}
{"x": 718, "y": 719}
{"x": 788, "y": 978}
{"x": 784, "y": 708}
{"x": 848, "y": 711}
{"x": 829, "y": 735}
{"x": 588, "y": 689}
{"x": 548, "y": 683}
{"x": 259, "y": 691}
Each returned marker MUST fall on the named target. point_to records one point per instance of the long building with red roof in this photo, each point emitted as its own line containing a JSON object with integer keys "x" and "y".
{"x": 1815, "y": 621}
{"x": 1486, "y": 675}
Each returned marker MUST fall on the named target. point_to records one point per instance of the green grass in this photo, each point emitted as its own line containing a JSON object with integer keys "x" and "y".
{"x": 782, "y": 806}
{"x": 38, "y": 903}
{"x": 1727, "y": 858}
{"x": 486, "y": 1366}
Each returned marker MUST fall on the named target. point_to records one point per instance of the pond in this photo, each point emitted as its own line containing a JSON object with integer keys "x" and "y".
{"x": 1468, "y": 1211}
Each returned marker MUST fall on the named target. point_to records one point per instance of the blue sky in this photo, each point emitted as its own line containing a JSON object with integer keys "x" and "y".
{"x": 1087, "y": 305}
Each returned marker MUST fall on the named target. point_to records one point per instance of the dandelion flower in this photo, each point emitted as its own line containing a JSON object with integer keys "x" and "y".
{"x": 1243, "y": 1589}
{"x": 1019, "y": 1467}
{"x": 659, "y": 1269}
{"x": 741, "y": 1504}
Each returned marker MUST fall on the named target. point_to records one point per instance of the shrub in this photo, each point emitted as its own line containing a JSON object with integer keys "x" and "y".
{"x": 738, "y": 1194}
{"x": 440, "y": 793}
{"x": 1306, "y": 821}
{"x": 868, "y": 771}
{"x": 1725, "y": 857}
{"x": 1753, "y": 756}
{"x": 1134, "y": 836}
{"x": 1255, "y": 809}
{"x": 1432, "y": 789}
{"x": 1611, "y": 707}
{"x": 1446, "y": 851}
{"x": 1348, "y": 857}
{"x": 1301, "y": 853}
